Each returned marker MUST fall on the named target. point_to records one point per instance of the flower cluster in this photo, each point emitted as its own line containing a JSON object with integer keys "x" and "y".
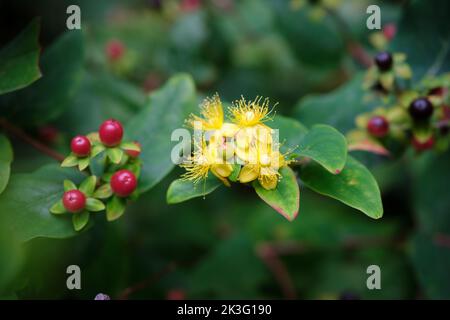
{"x": 245, "y": 149}
{"x": 112, "y": 167}
{"x": 416, "y": 114}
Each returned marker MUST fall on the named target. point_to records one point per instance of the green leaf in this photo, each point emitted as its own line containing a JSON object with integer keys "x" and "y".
{"x": 83, "y": 163}
{"x": 165, "y": 111}
{"x": 103, "y": 192}
{"x": 338, "y": 108}
{"x": 94, "y": 205}
{"x": 115, "y": 208}
{"x": 6, "y": 157}
{"x": 19, "y": 60}
{"x": 326, "y": 146}
{"x": 58, "y": 208}
{"x": 423, "y": 34}
{"x": 431, "y": 260}
{"x": 285, "y": 198}
{"x": 182, "y": 190}
{"x": 48, "y": 97}
{"x": 80, "y": 220}
{"x": 291, "y": 132}
{"x": 29, "y": 216}
{"x": 430, "y": 198}
{"x": 69, "y": 185}
{"x": 355, "y": 186}
{"x": 88, "y": 185}
{"x": 115, "y": 155}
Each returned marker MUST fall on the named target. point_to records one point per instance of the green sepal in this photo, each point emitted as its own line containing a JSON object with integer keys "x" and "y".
{"x": 88, "y": 185}
{"x": 69, "y": 185}
{"x": 235, "y": 173}
{"x": 115, "y": 155}
{"x": 70, "y": 161}
{"x": 115, "y": 208}
{"x": 96, "y": 149}
{"x": 94, "y": 205}
{"x": 103, "y": 192}
{"x": 135, "y": 167}
{"x": 130, "y": 146}
{"x": 80, "y": 220}
{"x": 83, "y": 163}
{"x": 58, "y": 208}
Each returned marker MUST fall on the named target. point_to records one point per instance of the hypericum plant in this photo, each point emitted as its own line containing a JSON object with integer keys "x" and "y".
{"x": 411, "y": 114}
{"x": 244, "y": 147}
{"x": 113, "y": 169}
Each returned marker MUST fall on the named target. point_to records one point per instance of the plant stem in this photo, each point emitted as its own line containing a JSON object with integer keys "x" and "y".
{"x": 353, "y": 47}
{"x": 19, "y": 133}
{"x": 270, "y": 256}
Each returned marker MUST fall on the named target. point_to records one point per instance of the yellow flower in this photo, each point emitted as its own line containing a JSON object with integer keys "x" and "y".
{"x": 263, "y": 164}
{"x": 249, "y": 113}
{"x": 258, "y": 136}
{"x": 211, "y": 114}
{"x": 206, "y": 158}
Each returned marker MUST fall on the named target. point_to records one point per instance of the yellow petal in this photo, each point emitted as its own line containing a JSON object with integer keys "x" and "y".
{"x": 222, "y": 170}
{"x": 248, "y": 173}
{"x": 229, "y": 129}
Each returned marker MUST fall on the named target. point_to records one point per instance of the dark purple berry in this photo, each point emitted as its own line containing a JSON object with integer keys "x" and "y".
{"x": 421, "y": 109}
{"x": 383, "y": 60}
{"x": 102, "y": 296}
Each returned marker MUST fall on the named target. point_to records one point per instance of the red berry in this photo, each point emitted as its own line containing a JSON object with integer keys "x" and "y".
{"x": 134, "y": 153}
{"x": 123, "y": 183}
{"x": 74, "y": 200}
{"x": 438, "y": 91}
{"x": 421, "y": 146}
{"x": 111, "y": 132}
{"x": 114, "y": 50}
{"x": 378, "y": 126}
{"x": 190, "y": 5}
{"x": 81, "y": 146}
{"x": 389, "y": 31}
{"x": 176, "y": 294}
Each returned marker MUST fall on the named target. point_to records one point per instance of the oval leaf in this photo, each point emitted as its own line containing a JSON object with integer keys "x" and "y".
{"x": 19, "y": 59}
{"x": 355, "y": 186}
{"x": 29, "y": 216}
{"x": 47, "y": 98}
{"x": 326, "y": 146}
{"x": 6, "y": 157}
{"x": 165, "y": 111}
{"x": 286, "y": 197}
{"x": 182, "y": 190}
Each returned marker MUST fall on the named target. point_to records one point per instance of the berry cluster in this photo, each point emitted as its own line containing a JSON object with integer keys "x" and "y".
{"x": 413, "y": 114}
{"x": 389, "y": 72}
{"x": 113, "y": 169}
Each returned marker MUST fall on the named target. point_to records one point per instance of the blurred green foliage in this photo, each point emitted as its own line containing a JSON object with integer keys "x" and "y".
{"x": 214, "y": 247}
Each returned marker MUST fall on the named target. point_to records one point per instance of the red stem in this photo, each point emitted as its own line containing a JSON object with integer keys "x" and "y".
{"x": 19, "y": 133}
